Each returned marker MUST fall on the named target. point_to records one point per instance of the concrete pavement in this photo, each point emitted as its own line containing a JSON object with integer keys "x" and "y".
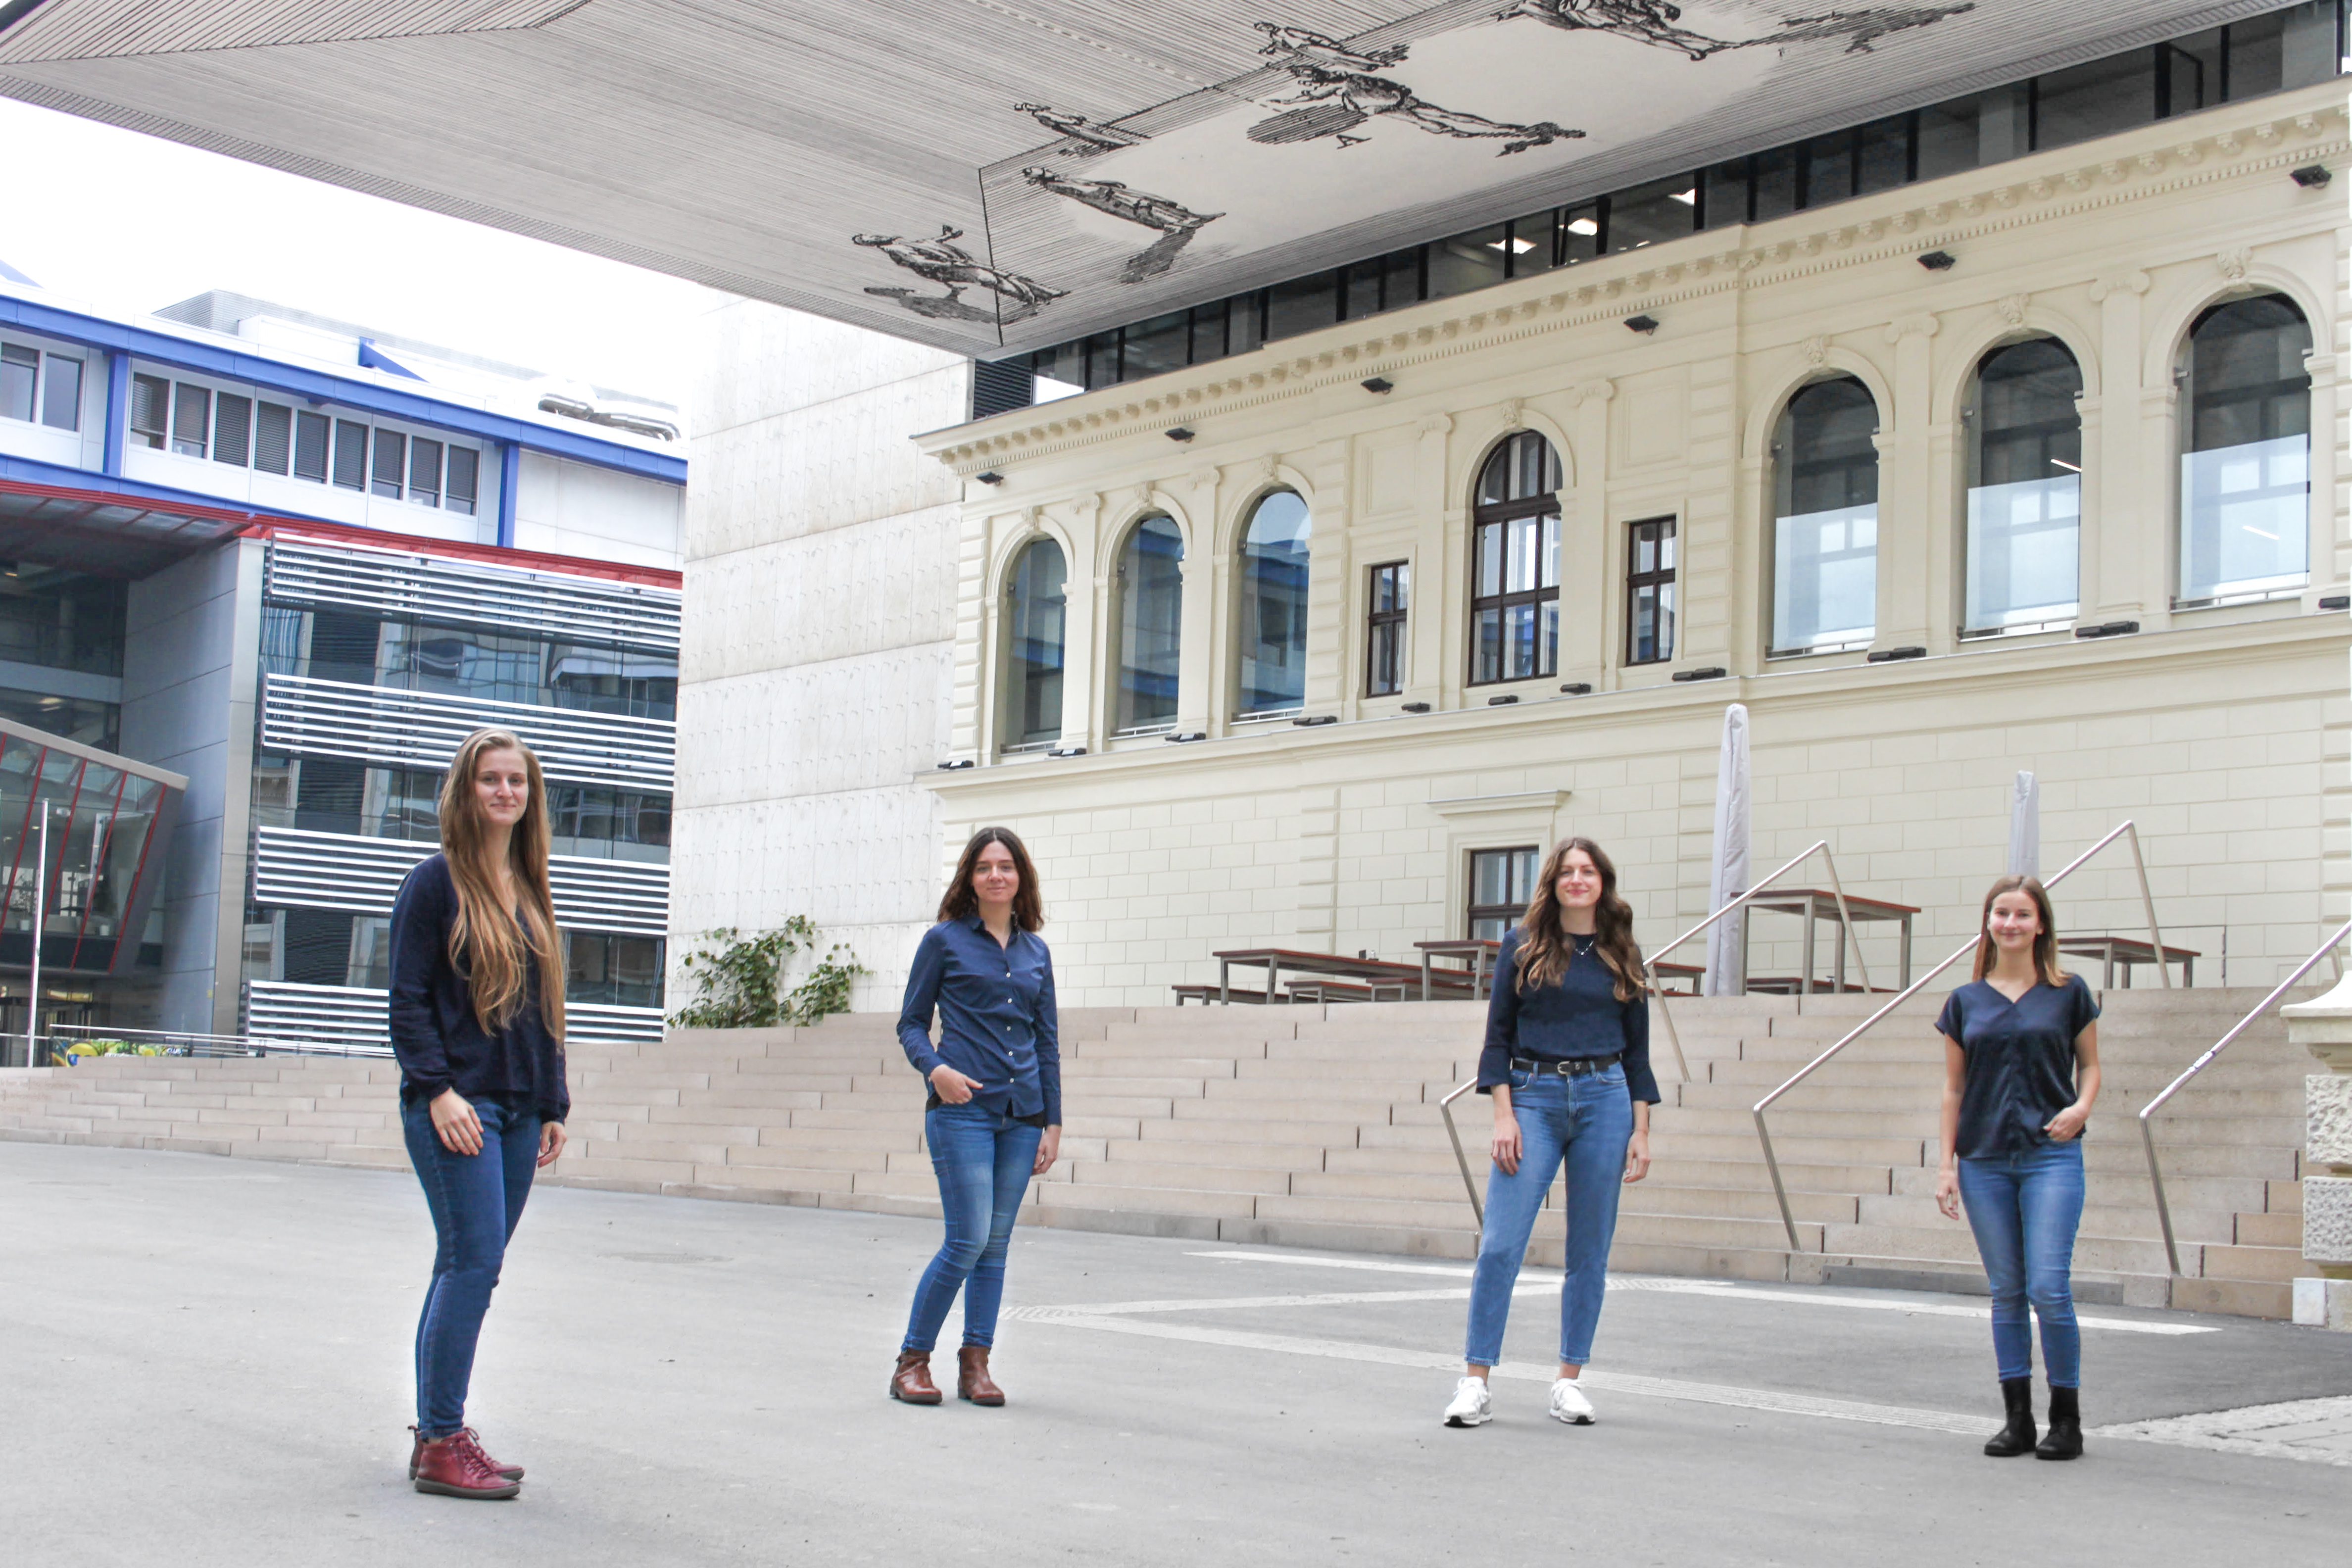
{"x": 207, "y": 1362}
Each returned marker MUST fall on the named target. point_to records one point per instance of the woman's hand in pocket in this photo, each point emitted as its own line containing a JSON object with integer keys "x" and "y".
{"x": 952, "y": 1086}
{"x": 454, "y": 1121}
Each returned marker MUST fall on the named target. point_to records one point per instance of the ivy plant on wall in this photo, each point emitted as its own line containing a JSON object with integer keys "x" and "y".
{"x": 740, "y": 979}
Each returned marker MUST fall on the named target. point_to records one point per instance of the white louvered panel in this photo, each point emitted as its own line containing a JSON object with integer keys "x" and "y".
{"x": 347, "y": 1017}
{"x": 95, "y": 29}
{"x": 459, "y": 592}
{"x": 295, "y": 869}
{"x": 421, "y": 729}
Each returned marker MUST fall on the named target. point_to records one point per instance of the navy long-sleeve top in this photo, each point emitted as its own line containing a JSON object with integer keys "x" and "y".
{"x": 2020, "y": 1062}
{"x": 1578, "y": 1015}
{"x": 996, "y": 1016}
{"x": 438, "y": 1041}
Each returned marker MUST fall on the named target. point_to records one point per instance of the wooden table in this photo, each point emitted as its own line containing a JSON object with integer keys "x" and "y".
{"x": 2129, "y": 951}
{"x": 1275, "y": 960}
{"x": 1818, "y": 904}
{"x": 1663, "y": 972}
{"x": 1480, "y": 953}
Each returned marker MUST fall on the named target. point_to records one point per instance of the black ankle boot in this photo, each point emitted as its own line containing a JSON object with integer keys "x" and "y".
{"x": 2017, "y": 1438}
{"x": 2065, "y": 1438}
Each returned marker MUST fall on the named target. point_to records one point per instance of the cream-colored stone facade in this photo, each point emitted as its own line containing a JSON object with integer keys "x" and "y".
{"x": 2221, "y": 730}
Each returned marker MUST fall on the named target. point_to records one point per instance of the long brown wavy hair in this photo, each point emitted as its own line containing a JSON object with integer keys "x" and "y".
{"x": 487, "y": 944}
{"x": 2045, "y": 945}
{"x": 961, "y": 902}
{"x": 1545, "y": 949}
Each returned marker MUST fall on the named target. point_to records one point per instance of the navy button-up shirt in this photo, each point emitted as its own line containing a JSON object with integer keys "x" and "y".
{"x": 996, "y": 1014}
{"x": 1576, "y": 1016}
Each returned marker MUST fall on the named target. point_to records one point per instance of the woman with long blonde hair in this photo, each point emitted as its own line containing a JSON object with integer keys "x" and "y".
{"x": 1568, "y": 1064}
{"x": 477, "y": 1025}
{"x": 2020, "y": 1075}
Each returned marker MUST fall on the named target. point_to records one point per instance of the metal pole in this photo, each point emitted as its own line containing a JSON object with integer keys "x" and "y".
{"x": 2148, "y": 903}
{"x": 1477, "y": 1209}
{"x": 40, "y": 891}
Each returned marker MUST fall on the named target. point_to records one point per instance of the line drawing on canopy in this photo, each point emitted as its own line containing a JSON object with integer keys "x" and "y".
{"x": 1337, "y": 81}
{"x": 1177, "y": 223}
{"x": 1091, "y": 138}
{"x": 946, "y": 263}
{"x": 1654, "y": 22}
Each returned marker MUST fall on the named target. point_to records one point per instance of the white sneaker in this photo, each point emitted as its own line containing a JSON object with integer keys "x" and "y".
{"x": 1569, "y": 1403}
{"x": 1472, "y": 1407}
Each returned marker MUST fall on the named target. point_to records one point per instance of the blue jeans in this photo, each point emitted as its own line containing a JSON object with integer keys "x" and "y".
{"x": 476, "y": 1199}
{"x": 2024, "y": 1210}
{"x": 983, "y": 1159}
{"x": 1583, "y": 1122}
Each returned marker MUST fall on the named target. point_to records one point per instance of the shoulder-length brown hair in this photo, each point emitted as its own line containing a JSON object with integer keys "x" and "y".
{"x": 487, "y": 943}
{"x": 1545, "y": 949}
{"x": 2045, "y": 946}
{"x": 961, "y": 902}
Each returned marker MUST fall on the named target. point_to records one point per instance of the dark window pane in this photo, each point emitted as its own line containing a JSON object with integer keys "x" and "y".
{"x": 1151, "y": 622}
{"x": 20, "y": 372}
{"x": 1065, "y": 363}
{"x": 1947, "y": 138}
{"x": 2188, "y": 72}
{"x": 1725, "y": 196}
{"x": 192, "y": 419}
{"x": 2027, "y": 427}
{"x": 2256, "y": 58}
{"x": 1273, "y": 612}
{"x": 351, "y": 455}
{"x": 1465, "y": 262}
{"x": 2095, "y": 99}
{"x": 1825, "y": 528}
{"x": 1155, "y": 346}
{"x": 2245, "y": 489}
{"x": 310, "y": 433}
{"x": 391, "y": 462}
{"x": 1301, "y": 305}
{"x": 1245, "y": 321}
{"x": 1038, "y": 624}
{"x": 1885, "y": 156}
{"x": 425, "y": 471}
{"x": 1828, "y": 168}
{"x": 2003, "y": 123}
{"x": 1362, "y": 296}
{"x": 1772, "y": 178}
{"x": 1522, "y": 467}
{"x": 150, "y": 408}
{"x": 1535, "y": 244}
{"x": 2025, "y": 488}
{"x": 465, "y": 465}
{"x": 1208, "y": 331}
{"x": 2307, "y": 44}
{"x": 273, "y": 437}
{"x": 61, "y": 393}
{"x": 1581, "y": 230}
{"x": 232, "y": 429}
{"x": 1401, "y": 278}
{"x": 1663, "y": 209}
{"x": 1102, "y": 360}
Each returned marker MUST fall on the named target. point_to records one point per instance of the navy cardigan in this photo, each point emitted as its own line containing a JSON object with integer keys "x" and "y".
{"x": 434, "y": 1031}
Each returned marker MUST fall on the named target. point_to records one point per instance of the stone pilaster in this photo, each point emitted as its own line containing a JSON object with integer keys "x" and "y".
{"x": 2323, "y": 1028}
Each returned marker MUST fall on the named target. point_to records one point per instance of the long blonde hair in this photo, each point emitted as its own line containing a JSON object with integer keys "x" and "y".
{"x": 1545, "y": 949}
{"x": 486, "y": 944}
{"x": 2045, "y": 943}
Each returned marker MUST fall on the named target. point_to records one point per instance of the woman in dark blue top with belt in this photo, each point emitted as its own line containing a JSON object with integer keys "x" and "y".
{"x": 995, "y": 1118}
{"x": 1567, "y": 1063}
{"x": 2020, "y": 1073}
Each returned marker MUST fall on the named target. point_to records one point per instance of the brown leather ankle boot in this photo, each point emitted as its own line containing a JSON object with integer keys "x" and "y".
{"x": 512, "y": 1472}
{"x": 972, "y": 1381}
{"x": 456, "y": 1465}
{"x": 911, "y": 1383}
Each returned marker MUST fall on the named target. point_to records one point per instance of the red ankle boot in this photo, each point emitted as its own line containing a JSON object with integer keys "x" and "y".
{"x": 512, "y": 1472}
{"x": 456, "y": 1465}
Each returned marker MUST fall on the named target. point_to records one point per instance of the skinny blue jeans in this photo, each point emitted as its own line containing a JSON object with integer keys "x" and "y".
{"x": 1584, "y": 1124}
{"x": 477, "y": 1202}
{"x": 983, "y": 1159}
{"x": 2024, "y": 1210}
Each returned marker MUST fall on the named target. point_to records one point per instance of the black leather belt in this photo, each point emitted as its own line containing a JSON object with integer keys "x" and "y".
{"x": 1570, "y": 1067}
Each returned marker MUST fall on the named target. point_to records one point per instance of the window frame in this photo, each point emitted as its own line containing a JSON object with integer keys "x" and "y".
{"x": 1395, "y": 620}
{"x": 1014, "y": 739}
{"x": 2046, "y": 434}
{"x": 1779, "y": 463}
{"x": 2185, "y": 435}
{"x": 1509, "y": 914}
{"x": 1117, "y": 664}
{"x": 1502, "y": 514}
{"x": 1247, "y": 588}
{"x": 1661, "y": 577}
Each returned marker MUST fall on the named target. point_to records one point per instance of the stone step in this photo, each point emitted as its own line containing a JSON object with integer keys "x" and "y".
{"x": 2281, "y": 1230}
{"x": 1206, "y": 1178}
{"x": 2274, "y": 1264}
{"x": 1281, "y": 1156}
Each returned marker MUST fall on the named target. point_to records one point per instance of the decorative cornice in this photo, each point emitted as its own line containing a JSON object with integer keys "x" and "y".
{"x": 1419, "y": 335}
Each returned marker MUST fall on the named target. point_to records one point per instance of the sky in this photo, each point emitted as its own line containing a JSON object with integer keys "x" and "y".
{"x": 131, "y": 223}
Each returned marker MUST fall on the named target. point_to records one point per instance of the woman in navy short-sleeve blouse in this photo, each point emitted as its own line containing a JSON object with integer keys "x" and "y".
{"x": 2020, "y": 1073}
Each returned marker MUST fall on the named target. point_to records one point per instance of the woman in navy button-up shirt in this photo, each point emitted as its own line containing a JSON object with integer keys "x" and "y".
{"x": 994, "y": 1117}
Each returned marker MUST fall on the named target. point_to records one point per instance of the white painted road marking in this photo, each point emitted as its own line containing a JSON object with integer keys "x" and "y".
{"x": 1679, "y": 1286}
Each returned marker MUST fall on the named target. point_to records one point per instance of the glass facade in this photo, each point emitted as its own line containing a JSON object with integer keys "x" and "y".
{"x": 463, "y": 661}
{"x": 2245, "y": 471}
{"x": 1151, "y": 624}
{"x": 1273, "y": 619}
{"x": 102, "y": 858}
{"x": 2025, "y": 488}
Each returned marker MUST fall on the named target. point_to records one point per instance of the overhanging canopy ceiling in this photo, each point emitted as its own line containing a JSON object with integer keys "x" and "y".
{"x": 993, "y": 175}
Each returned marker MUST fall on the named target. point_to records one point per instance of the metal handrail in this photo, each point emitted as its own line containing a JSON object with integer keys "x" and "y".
{"x": 1819, "y": 846}
{"x": 2148, "y": 1137}
{"x": 1764, "y": 1133}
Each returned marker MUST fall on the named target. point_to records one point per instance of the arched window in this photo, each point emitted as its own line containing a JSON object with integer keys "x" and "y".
{"x": 1825, "y": 519}
{"x": 1151, "y": 622}
{"x": 1036, "y": 621}
{"x": 2025, "y": 486}
{"x": 1515, "y": 562}
{"x": 2245, "y": 466}
{"x": 1274, "y": 607}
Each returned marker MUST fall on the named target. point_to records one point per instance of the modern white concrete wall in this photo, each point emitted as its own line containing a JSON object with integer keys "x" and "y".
{"x": 821, "y": 563}
{"x": 190, "y": 677}
{"x": 565, "y": 508}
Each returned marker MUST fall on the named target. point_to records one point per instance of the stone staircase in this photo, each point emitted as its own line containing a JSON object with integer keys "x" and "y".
{"x": 1318, "y": 1127}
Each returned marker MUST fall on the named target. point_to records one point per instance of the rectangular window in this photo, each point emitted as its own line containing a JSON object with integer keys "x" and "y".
{"x": 1646, "y": 215}
{"x": 1208, "y": 330}
{"x": 20, "y": 370}
{"x": 1392, "y": 591}
{"x": 1535, "y": 244}
{"x": 150, "y": 408}
{"x": 1303, "y": 304}
{"x": 1502, "y": 883}
{"x": 1650, "y": 592}
{"x": 1155, "y": 346}
{"x": 2096, "y": 99}
{"x": 273, "y": 437}
{"x": 311, "y": 436}
{"x": 423, "y": 471}
{"x": 1515, "y": 610}
{"x": 464, "y": 465}
{"x": 232, "y": 429}
{"x": 192, "y": 419}
{"x": 61, "y": 393}
{"x": 391, "y": 463}
{"x": 1466, "y": 261}
{"x": 351, "y": 455}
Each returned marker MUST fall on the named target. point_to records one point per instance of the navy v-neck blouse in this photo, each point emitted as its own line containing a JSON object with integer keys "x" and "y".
{"x": 2020, "y": 1062}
